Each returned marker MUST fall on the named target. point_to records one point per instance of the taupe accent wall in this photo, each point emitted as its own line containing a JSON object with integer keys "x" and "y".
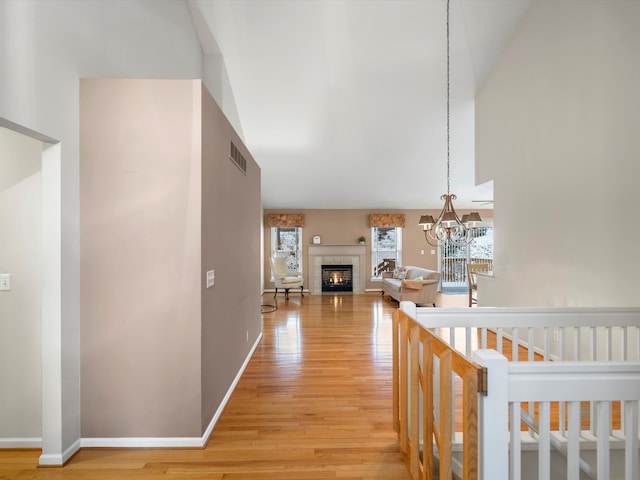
{"x": 153, "y": 155}
{"x": 231, "y": 243}
{"x": 344, "y": 227}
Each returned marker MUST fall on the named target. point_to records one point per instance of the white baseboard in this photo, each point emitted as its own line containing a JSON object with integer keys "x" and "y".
{"x": 174, "y": 442}
{"x": 57, "y": 460}
{"x": 34, "y": 442}
{"x": 225, "y": 400}
{"x": 143, "y": 442}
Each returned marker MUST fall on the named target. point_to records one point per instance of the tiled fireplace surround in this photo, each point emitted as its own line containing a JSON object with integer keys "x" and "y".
{"x": 319, "y": 255}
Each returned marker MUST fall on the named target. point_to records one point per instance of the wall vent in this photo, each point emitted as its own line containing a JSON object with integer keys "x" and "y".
{"x": 237, "y": 158}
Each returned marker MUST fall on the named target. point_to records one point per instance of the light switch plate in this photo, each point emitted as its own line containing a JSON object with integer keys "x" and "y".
{"x": 5, "y": 282}
{"x": 211, "y": 278}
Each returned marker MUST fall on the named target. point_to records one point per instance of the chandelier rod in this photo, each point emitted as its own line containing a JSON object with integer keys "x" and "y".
{"x": 448, "y": 107}
{"x": 448, "y": 227}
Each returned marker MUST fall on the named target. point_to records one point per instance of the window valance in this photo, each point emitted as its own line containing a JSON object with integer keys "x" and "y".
{"x": 285, "y": 220}
{"x": 387, "y": 220}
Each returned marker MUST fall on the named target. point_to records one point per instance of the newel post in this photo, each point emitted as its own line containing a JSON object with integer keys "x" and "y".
{"x": 493, "y": 417}
{"x": 409, "y": 308}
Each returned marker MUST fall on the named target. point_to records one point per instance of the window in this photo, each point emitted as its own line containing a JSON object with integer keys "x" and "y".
{"x": 287, "y": 242}
{"x": 481, "y": 248}
{"x": 454, "y": 259}
{"x": 386, "y": 249}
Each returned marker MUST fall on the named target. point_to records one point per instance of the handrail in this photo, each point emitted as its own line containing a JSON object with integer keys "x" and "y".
{"x": 388, "y": 264}
{"x": 424, "y": 408}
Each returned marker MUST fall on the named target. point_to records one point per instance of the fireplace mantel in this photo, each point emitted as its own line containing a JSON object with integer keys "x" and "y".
{"x": 349, "y": 254}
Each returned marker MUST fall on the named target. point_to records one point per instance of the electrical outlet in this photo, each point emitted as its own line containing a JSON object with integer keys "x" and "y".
{"x": 5, "y": 282}
{"x": 556, "y": 336}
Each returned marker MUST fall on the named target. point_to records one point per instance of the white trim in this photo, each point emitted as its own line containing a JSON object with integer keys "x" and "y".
{"x": 51, "y": 335}
{"x": 58, "y": 460}
{"x": 53, "y": 386}
{"x": 143, "y": 442}
{"x": 175, "y": 442}
{"x": 35, "y": 442}
{"x": 223, "y": 404}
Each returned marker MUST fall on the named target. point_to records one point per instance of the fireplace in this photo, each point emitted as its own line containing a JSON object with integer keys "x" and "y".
{"x": 341, "y": 255}
{"x": 337, "y": 278}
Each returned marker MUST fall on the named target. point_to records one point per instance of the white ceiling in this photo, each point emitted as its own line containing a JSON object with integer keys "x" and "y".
{"x": 343, "y": 102}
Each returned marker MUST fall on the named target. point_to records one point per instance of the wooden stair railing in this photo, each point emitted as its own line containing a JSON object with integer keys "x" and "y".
{"x": 414, "y": 351}
{"x": 387, "y": 265}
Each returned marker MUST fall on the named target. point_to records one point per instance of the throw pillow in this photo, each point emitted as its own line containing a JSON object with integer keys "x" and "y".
{"x": 400, "y": 273}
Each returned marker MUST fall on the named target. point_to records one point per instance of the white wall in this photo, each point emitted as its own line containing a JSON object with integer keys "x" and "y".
{"x": 556, "y": 129}
{"x": 20, "y": 247}
{"x": 47, "y": 46}
{"x": 216, "y": 77}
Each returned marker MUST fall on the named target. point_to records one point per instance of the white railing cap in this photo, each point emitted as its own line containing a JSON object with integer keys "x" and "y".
{"x": 507, "y": 317}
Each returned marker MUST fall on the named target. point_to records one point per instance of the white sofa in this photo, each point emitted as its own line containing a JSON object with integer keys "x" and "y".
{"x": 419, "y": 285}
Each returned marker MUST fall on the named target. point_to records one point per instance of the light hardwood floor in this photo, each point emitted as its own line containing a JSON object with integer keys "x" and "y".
{"x": 314, "y": 403}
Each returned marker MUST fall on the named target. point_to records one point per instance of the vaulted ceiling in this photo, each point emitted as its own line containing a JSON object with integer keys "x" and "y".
{"x": 343, "y": 102}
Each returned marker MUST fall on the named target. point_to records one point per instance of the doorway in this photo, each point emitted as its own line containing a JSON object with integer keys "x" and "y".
{"x": 54, "y": 452}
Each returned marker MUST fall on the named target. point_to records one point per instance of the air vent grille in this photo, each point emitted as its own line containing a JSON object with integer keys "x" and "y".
{"x": 237, "y": 158}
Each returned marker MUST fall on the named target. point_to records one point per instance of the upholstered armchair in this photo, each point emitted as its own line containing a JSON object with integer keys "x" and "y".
{"x": 283, "y": 278}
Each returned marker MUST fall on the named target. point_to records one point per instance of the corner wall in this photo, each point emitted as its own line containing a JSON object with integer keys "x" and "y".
{"x": 557, "y": 132}
{"x": 162, "y": 203}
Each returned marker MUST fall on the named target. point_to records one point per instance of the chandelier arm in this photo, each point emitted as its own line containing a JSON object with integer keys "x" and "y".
{"x": 442, "y": 212}
{"x": 463, "y": 241}
{"x": 428, "y": 238}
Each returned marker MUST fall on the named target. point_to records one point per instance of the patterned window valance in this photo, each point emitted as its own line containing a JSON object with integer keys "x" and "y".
{"x": 387, "y": 220}
{"x": 285, "y": 220}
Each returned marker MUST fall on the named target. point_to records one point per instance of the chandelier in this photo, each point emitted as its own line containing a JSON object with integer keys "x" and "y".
{"x": 448, "y": 228}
